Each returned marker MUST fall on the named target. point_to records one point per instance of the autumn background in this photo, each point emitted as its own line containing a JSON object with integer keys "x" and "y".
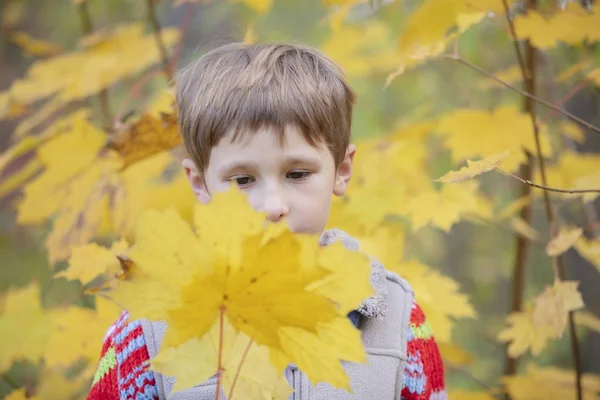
{"x": 89, "y": 142}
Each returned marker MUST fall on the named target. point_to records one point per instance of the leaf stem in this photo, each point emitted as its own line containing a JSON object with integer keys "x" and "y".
{"x": 88, "y": 28}
{"x": 162, "y": 49}
{"x": 220, "y": 353}
{"x": 528, "y": 182}
{"x": 528, "y": 76}
{"x": 522, "y": 92}
{"x": 239, "y": 368}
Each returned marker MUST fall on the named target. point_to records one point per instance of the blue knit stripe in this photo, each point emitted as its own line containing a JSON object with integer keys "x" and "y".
{"x": 133, "y": 345}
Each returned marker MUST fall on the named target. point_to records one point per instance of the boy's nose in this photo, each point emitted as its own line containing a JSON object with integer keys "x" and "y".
{"x": 275, "y": 207}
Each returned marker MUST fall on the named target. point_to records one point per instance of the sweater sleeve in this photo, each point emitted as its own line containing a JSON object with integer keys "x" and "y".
{"x": 424, "y": 372}
{"x": 122, "y": 372}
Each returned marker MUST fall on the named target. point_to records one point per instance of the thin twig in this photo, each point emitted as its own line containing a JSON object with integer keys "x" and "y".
{"x": 220, "y": 354}
{"x": 88, "y": 28}
{"x": 187, "y": 19}
{"x": 162, "y": 49}
{"x": 472, "y": 378}
{"x": 522, "y": 92}
{"x": 560, "y": 267}
{"x": 239, "y": 368}
{"x": 548, "y": 188}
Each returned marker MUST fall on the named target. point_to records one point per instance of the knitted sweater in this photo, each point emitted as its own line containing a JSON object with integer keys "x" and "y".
{"x": 122, "y": 373}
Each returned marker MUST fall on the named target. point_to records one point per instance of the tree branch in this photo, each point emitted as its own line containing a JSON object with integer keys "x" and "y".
{"x": 548, "y": 188}
{"x": 472, "y": 378}
{"x": 162, "y": 49}
{"x": 560, "y": 267}
{"x": 522, "y": 92}
{"x": 9, "y": 381}
{"x": 88, "y": 28}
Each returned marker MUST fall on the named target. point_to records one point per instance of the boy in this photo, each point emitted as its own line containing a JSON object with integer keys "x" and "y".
{"x": 275, "y": 119}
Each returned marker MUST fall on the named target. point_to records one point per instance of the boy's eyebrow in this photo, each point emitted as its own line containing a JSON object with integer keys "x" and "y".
{"x": 245, "y": 164}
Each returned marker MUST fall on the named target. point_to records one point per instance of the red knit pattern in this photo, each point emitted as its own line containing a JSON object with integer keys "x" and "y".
{"x": 424, "y": 372}
{"x": 106, "y": 387}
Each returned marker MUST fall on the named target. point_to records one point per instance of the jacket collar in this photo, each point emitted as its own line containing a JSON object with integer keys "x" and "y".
{"x": 375, "y": 305}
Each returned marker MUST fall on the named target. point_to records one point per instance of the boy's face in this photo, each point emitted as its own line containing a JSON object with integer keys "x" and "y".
{"x": 292, "y": 182}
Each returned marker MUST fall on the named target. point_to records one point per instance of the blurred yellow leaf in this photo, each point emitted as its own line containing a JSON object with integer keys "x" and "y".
{"x": 552, "y": 306}
{"x": 572, "y": 26}
{"x": 196, "y": 360}
{"x": 77, "y": 331}
{"x": 591, "y": 181}
{"x": 55, "y": 385}
{"x": 550, "y": 383}
{"x": 570, "y": 171}
{"x": 520, "y": 226}
{"x": 455, "y": 354}
{"x": 89, "y": 261}
{"x": 24, "y": 326}
{"x": 524, "y": 335}
{"x": 33, "y": 46}
{"x": 562, "y": 242}
{"x": 472, "y": 133}
{"x": 590, "y": 250}
{"x": 438, "y": 295}
{"x": 444, "y": 208}
{"x": 75, "y": 75}
{"x": 474, "y": 168}
{"x": 146, "y": 137}
{"x": 362, "y": 50}
{"x": 587, "y": 319}
{"x": 594, "y": 76}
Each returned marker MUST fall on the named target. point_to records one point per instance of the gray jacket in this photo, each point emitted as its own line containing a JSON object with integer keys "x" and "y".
{"x": 384, "y": 330}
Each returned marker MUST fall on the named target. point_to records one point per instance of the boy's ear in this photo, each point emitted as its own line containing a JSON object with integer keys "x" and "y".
{"x": 344, "y": 172}
{"x": 196, "y": 181}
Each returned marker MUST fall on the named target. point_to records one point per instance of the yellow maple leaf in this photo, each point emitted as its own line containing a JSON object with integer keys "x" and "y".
{"x": 108, "y": 59}
{"x": 245, "y": 367}
{"x": 474, "y": 168}
{"x": 24, "y": 326}
{"x": 589, "y": 182}
{"x": 521, "y": 227}
{"x": 362, "y": 50}
{"x": 145, "y": 137}
{"x": 191, "y": 279}
{"x": 550, "y": 383}
{"x": 472, "y": 133}
{"x": 82, "y": 142}
{"x": 572, "y": 25}
{"x": 54, "y": 384}
{"x": 524, "y": 335}
{"x": 438, "y": 295}
{"x": 455, "y": 354}
{"x": 89, "y": 261}
{"x": 77, "y": 331}
{"x": 553, "y": 305}
{"x": 568, "y": 171}
{"x": 566, "y": 238}
{"x": 445, "y": 207}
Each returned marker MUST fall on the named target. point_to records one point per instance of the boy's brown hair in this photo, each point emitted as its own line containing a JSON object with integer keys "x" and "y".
{"x": 243, "y": 88}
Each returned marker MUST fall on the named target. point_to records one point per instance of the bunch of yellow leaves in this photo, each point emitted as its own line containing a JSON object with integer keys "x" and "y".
{"x": 237, "y": 279}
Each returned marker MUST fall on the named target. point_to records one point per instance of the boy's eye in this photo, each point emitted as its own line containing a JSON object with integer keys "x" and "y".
{"x": 298, "y": 175}
{"x": 243, "y": 180}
